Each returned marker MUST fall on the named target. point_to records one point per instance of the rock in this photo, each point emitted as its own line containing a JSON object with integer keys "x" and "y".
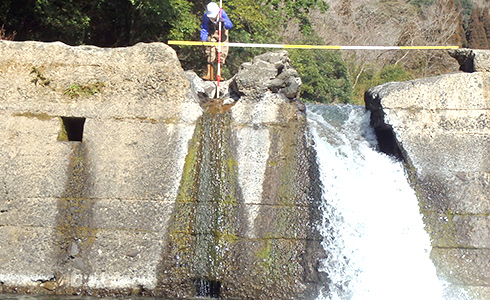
{"x": 267, "y": 87}
{"x": 228, "y": 101}
{"x": 292, "y": 83}
{"x": 269, "y": 142}
{"x": 269, "y": 72}
{"x": 49, "y": 285}
{"x": 269, "y": 76}
{"x": 137, "y": 291}
{"x": 472, "y": 60}
{"x": 114, "y": 190}
{"x": 300, "y": 105}
{"x": 74, "y": 249}
{"x": 132, "y": 253}
{"x": 276, "y": 84}
{"x": 204, "y": 89}
{"x": 79, "y": 264}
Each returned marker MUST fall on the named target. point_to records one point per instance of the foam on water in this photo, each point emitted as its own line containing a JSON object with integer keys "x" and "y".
{"x": 373, "y": 232}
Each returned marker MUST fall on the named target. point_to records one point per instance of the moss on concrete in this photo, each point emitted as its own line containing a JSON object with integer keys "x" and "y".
{"x": 38, "y": 77}
{"x": 277, "y": 259}
{"x": 203, "y": 226}
{"x": 39, "y": 116}
{"x": 83, "y": 90}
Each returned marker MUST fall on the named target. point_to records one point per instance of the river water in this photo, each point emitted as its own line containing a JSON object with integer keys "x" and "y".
{"x": 373, "y": 232}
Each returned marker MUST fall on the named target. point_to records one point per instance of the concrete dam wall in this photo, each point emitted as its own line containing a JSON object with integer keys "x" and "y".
{"x": 440, "y": 127}
{"x": 121, "y": 176}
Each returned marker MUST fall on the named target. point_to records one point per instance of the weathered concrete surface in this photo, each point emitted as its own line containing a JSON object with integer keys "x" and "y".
{"x": 128, "y": 210}
{"x": 272, "y": 189}
{"x": 278, "y": 178}
{"x": 108, "y": 195}
{"x": 440, "y": 126}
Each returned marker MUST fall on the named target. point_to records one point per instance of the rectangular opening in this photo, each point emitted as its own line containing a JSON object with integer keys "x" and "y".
{"x": 207, "y": 288}
{"x": 74, "y": 128}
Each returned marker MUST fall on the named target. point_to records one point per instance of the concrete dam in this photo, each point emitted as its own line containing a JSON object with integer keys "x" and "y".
{"x": 119, "y": 178}
{"x": 121, "y": 175}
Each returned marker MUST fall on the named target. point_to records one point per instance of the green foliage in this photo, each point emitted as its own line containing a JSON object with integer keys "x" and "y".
{"x": 76, "y": 90}
{"x": 162, "y": 19}
{"x": 421, "y": 3}
{"x": 252, "y": 22}
{"x": 366, "y": 78}
{"x": 62, "y": 17}
{"x": 100, "y": 22}
{"x": 113, "y": 23}
{"x": 324, "y": 75}
{"x": 467, "y": 8}
{"x": 299, "y": 10}
{"x": 262, "y": 22}
{"x": 183, "y": 23}
{"x": 393, "y": 73}
{"x": 6, "y": 36}
{"x": 370, "y": 76}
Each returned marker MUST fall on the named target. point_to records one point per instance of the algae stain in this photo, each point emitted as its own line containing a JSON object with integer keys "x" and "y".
{"x": 217, "y": 197}
{"x": 31, "y": 115}
{"x": 449, "y": 228}
{"x": 204, "y": 222}
{"x": 62, "y": 134}
{"x": 39, "y": 77}
{"x": 75, "y": 233}
{"x": 266, "y": 256}
{"x": 175, "y": 268}
{"x": 276, "y": 257}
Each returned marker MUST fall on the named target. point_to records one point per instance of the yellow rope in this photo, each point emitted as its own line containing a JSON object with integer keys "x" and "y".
{"x": 327, "y": 47}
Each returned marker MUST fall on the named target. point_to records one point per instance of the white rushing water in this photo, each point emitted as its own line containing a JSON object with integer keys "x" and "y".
{"x": 373, "y": 232}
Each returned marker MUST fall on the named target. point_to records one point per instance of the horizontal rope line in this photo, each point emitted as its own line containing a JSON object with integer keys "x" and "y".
{"x": 327, "y": 47}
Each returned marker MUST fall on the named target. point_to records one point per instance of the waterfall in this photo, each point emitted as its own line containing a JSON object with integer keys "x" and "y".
{"x": 372, "y": 229}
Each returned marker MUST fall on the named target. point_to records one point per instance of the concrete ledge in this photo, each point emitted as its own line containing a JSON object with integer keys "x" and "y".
{"x": 439, "y": 126}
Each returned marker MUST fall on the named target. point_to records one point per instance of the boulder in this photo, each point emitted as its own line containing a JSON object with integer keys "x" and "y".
{"x": 472, "y": 60}
{"x": 268, "y": 73}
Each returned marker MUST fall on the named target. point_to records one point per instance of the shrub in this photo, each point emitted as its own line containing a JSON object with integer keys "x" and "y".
{"x": 324, "y": 75}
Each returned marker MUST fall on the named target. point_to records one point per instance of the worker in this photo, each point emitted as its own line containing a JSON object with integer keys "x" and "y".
{"x": 210, "y": 33}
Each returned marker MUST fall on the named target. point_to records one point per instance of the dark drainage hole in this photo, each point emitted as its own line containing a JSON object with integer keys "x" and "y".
{"x": 74, "y": 128}
{"x": 207, "y": 288}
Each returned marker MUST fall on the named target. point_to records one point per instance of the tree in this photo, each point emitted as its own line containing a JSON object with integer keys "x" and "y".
{"x": 105, "y": 23}
{"x": 264, "y": 22}
{"x": 466, "y": 7}
{"x": 438, "y": 24}
{"x": 485, "y": 20}
{"x": 420, "y": 3}
{"x": 393, "y": 73}
{"x": 477, "y": 38}
{"x": 324, "y": 74}
{"x": 115, "y": 23}
{"x": 6, "y": 36}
